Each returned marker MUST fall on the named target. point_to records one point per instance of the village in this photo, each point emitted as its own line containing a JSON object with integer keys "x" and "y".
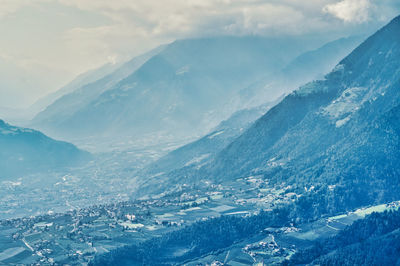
{"x": 78, "y": 235}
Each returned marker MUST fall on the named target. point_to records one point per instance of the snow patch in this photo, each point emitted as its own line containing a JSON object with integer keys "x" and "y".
{"x": 6, "y": 129}
{"x": 343, "y": 121}
{"x": 182, "y": 70}
{"x": 128, "y": 87}
{"x": 389, "y": 54}
{"x": 310, "y": 88}
{"x": 339, "y": 67}
{"x": 7, "y": 132}
{"x": 12, "y": 184}
{"x": 157, "y": 175}
{"x": 345, "y": 105}
{"x": 348, "y": 102}
{"x": 274, "y": 163}
{"x": 198, "y": 159}
{"x": 216, "y": 134}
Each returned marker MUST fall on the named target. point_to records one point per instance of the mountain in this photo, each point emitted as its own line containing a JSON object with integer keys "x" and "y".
{"x": 80, "y": 81}
{"x": 26, "y": 151}
{"x": 337, "y": 138}
{"x": 340, "y": 131}
{"x": 316, "y": 63}
{"x": 357, "y": 244}
{"x": 82, "y": 91}
{"x": 22, "y": 115}
{"x": 198, "y": 152}
{"x": 366, "y": 252}
{"x": 308, "y": 66}
{"x": 184, "y": 89}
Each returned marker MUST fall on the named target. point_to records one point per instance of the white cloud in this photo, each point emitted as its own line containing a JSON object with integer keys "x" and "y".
{"x": 182, "y": 17}
{"x": 357, "y": 11}
{"x": 142, "y": 24}
{"x": 71, "y": 36}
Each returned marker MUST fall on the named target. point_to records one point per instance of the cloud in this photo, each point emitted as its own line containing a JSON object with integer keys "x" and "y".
{"x": 183, "y": 17}
{"x": 362, "y": 11}
{"x": 139, "y": 25}
{"x": 350, "y": 10}
{"x": 71, "y": 36}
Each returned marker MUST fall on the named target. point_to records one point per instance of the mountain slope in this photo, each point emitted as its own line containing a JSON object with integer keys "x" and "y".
{"x": 83, "y": 92}
{"x": 198, "y": 152}
{"x": 308, "y": 66}
{"x": 181, "y": 89}
{"x": 338, "y": 130}
{"x": 80, "y": 81}
{"x": 23, "y": 116}
{"x": 357, "y": 244}
{"x": 26, "y": 151}
{"x": 339, "y": 135}
{"x": 315, "y": 64}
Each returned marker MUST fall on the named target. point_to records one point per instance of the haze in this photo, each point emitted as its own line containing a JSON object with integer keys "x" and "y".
{"x": 46, "y": 43}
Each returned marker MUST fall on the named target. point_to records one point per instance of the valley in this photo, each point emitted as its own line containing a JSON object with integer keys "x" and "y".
{"x": 232, "y": 149}
{"x": 76, "y": 236}
{"x": 103, "y": 179}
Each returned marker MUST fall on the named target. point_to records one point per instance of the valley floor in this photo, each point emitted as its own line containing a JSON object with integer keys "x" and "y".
{"x": 77, "y": 236}
{"x": 106, "y": 179}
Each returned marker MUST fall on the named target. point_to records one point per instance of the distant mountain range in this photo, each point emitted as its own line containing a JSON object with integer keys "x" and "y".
{"x": 183, "y": 88}
{"x": 80, "y": 92}
{"x": 317, "y": 63}
{"x": 308, "y": 66}
{"x": 26, "y": 151}
{"x": 338, "y": 136}
{"x": 179, "y": 87}
{"x": 80, "y": 81}
{"x": 22, "y": 115}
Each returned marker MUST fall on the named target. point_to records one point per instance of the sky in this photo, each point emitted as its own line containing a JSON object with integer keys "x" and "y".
{"x": 46, "y": 43}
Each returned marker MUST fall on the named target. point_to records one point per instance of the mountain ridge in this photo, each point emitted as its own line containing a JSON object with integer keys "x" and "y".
{"x": 27, "y": 151}
{"x": 336, "y": 133}
{"x": 196, "y": 72}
